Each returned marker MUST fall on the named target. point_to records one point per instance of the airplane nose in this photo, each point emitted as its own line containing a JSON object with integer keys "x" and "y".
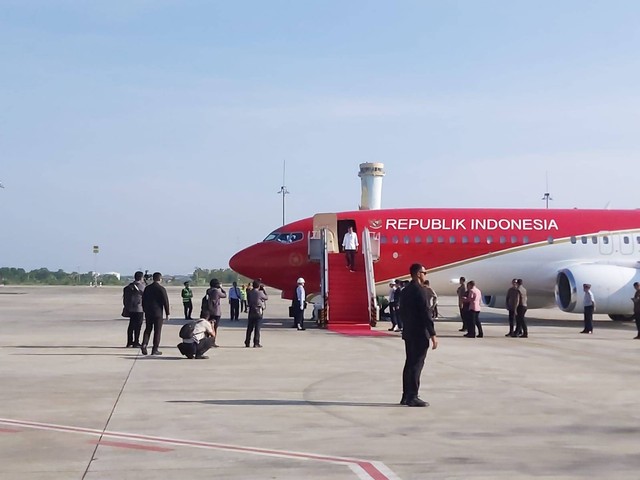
{"x": 238, "y": 262}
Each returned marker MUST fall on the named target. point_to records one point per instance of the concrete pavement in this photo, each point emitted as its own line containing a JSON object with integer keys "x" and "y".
{"x": 75, "y": 404}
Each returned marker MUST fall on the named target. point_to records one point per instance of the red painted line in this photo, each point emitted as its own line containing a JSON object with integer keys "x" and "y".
{"x": 9, "y": 430}
{"x": 371, "y": 470}
{"x": 134, "y": 446}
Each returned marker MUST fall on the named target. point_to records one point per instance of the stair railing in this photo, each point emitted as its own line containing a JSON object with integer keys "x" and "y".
{"x": 370, "y": 279}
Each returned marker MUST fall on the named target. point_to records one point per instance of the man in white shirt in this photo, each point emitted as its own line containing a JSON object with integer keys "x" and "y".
{"x": 202, "y": 340}
{"x": 350, "y": 246}
{"x": 589, "y": 307}
{"x": 298, "y": 305}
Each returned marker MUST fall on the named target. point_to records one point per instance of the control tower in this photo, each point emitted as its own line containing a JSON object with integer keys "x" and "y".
{"x": 371, "y": 180}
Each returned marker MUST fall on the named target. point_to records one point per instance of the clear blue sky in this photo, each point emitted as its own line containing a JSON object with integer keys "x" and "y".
{"x": 158, "y": 129}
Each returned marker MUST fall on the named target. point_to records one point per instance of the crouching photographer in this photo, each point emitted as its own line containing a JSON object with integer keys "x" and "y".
{"x": 197, "y": 337}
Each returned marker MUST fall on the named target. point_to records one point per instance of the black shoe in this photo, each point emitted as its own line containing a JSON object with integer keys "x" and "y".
{"x": 403, "y": 400}
{"x": 257, "y": 345}
{"x": 143, "y": 349}
{"x": 510, "y": 334}
{"x": 246, "y": 344}
{"x": 389, "y": 329}
{"x": 469, "y": 336}
{"x": 480, "y": 336}
{"x": 462, "y": 329}
{"x": 156, "y": 352}
{"x": 416, "y": 402}
{"x": 201, "y": 357}
{"x": 523, "y": 335}
{"x": 128, "y": 345}
{"x": 215, "y": 345}
{"x": 513, "y": 335}
{"x": 136, "y": 345}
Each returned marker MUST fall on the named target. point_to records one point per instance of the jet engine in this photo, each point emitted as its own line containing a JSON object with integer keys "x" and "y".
{"x": 611, "y": 285}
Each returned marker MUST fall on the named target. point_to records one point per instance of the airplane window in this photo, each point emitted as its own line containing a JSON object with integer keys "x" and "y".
{"x": 394, "y": 239}
{"x": 290, "y": 237}
{"x": 574, "y": 240}
{"x": 383, "y": 239}
{"x": 406, "y": 239}
{"x": 429, "y": 239}
{"x": 514, "y": 239}
{"x": 418, "y": 239}
{"x": 594, "y": 239}
{"x": 583, "y": 240}
{"x": 489, "y": 239}
{"x": 465, "y": 239}
{"x": 452, "y": 239}
{"x": 272, "y": 236}
{"x": 625, "y": 239}
{"x": 503, "y": 239}
{"x": 476, "y": 239}
{"x": 550, "y": 239}
{"x": 605, "y": 240}
{"x": 440, "y": 239}
{"x": 525, "y": 239}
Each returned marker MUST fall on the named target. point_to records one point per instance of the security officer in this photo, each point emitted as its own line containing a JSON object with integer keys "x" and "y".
{"x": 418, "y": 329}
{"x": 187, "y": 295}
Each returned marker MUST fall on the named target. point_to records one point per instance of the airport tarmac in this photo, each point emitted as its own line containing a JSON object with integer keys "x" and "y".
{"x": 76, "y": 404}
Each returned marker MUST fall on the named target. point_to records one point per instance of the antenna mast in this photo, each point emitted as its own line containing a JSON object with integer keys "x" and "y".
{"x": 547, "y": 196}
{"x": 283, "y": 188}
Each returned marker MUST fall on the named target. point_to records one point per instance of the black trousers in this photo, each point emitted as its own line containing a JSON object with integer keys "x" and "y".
{"x": 588, "y": 319}
{"x": 155, "y": 324}
{"x": 298, "y": 320}
{"x": 243, "y": 305}
{"x": 188, "y": 309}
{"x": 637, "y": 315}
{"x": 512, "y": 320}
{"x": 351, "y": 259}
{"x": 235, "y": 308}
{"x": 473, "y": 321}
{"x": 135, "y": 325}
{"x": 521, "y": 323}
{"x": 253, "y": 326}
{"x": 191, "y": 350}
{"x": 416, "y": 353}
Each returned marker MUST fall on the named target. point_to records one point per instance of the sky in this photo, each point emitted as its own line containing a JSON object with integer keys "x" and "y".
{"x": 158, "y": 129}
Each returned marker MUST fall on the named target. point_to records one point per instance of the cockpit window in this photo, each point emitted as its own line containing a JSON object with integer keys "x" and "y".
{"x": 288, "y": 237}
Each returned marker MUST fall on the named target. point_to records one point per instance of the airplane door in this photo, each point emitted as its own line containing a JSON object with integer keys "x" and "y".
{"x": 606, "y": 243}
{"x": 330, "y": 222}
{"x": 626, "y": 243}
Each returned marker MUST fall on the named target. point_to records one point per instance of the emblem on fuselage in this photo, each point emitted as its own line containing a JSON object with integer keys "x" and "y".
{"x": 375, "y": 224}
{"x": 295, "y": 259}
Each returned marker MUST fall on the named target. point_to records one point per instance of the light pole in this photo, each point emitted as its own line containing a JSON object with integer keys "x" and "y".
{"x": 547, "y": 196}
{"x": 283, "y": 189}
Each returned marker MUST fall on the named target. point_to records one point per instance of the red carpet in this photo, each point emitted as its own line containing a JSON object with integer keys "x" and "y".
{"x": 358, "y": 330}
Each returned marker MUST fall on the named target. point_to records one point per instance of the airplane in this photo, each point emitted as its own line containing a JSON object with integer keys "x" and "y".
{"x": 554, "y": 251}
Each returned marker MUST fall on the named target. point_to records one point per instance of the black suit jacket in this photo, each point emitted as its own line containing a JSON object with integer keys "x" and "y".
{"x": 416, "y": 315}
{"x": 155, "y": 300}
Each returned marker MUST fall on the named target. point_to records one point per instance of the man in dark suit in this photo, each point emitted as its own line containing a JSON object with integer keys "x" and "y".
{"x": 154, "y": 301}
{"x": 417, "y": 330}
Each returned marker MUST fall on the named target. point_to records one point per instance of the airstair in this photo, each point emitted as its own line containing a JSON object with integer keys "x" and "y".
{"x": 348, "y": 298}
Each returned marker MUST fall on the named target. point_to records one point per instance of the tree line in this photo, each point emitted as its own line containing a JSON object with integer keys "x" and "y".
{"x": 43, "y": 276}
